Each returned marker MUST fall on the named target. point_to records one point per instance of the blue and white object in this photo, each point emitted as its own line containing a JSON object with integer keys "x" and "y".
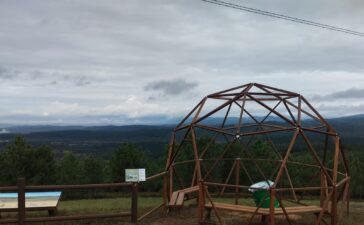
{"x": 262, "y": 185}
{"x": 32, "y": 194}
{"x": 35, "y": 200}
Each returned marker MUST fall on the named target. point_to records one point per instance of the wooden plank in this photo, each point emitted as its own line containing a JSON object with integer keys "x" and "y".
{"x": 238, "y": 208}
{"x": 177, "y": 197}
{"x": 172, "y": 202}
{"x": 180, "y": 199}
{"x": 265, "y": 211}
{"x": 189, "y": 190}
{"x": 306, "y": 209}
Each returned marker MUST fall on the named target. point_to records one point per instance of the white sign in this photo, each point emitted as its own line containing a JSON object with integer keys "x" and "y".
{"x": 135, "y": 175}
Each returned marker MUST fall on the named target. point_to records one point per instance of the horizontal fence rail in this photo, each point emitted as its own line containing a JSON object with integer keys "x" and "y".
{"x": 75, "y": 186}
{"x": 76, "y": 217}
{"x": 21, "y": 188}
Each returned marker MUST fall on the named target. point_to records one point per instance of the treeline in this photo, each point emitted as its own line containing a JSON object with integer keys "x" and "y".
{"x": 39, "y": 166}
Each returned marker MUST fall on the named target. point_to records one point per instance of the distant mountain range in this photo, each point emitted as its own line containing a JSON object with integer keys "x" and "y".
{"x": 102, "y": 140}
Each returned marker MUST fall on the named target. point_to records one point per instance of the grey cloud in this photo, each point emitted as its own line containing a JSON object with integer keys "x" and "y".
{"x": 77, "y": 80}
{"x": 6, "y": 74}
{"x": 36, "y": 75}
{"x": 53, "y": 46}
{"x": 340, "y": 110}
{"x": 171, "y": 87}
{"x": 346, "y": 94}
{"x": 51, "y": 77}
{"x": 53, "y": 83}
{"x": 196, "y": 33}
{"x": 82, "y": 81}
{"x": 157, "y": 97}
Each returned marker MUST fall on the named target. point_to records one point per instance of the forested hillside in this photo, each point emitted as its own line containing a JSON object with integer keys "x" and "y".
{"x": 102, "y": 140}
{"x": 98, "y": 154}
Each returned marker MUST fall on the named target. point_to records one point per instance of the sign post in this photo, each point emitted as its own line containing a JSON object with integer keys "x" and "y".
{"x": 134, "y": 203}
{"x": 135, "y": 176}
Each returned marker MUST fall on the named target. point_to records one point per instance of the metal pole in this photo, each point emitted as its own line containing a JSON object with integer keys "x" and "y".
{"x": 334, "y": 179}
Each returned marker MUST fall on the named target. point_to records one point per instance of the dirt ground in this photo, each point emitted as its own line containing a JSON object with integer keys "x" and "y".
{"x": 188, "y": 216}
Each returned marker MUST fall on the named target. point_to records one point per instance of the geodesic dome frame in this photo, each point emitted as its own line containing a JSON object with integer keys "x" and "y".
{"x": 234, "y": 128}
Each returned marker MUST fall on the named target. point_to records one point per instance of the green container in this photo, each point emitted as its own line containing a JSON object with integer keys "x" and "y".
{"x": 264, "y": 203}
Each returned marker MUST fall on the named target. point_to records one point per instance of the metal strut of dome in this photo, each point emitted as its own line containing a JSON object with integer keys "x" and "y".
{"x": 280, "y": 111}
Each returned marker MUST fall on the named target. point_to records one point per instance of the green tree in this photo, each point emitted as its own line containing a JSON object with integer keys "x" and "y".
{"x": 14, "y": 161}
{"x": 20, "y": 159}
{"x": 43, "y": 166}
{"x": 68, "y": 169}
{"x": 126, "y": 156}
{"x": 356, "y": 173}
{"x": 91, "y": 170}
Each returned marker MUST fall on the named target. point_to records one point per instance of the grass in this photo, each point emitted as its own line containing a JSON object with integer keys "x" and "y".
{"x": 187, "y": 216}
{"x": 109, "y": 205}
{"x": 94, "y": 206}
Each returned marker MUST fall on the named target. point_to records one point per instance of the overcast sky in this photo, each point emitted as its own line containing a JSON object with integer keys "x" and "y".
{"x": 117, "y": 62}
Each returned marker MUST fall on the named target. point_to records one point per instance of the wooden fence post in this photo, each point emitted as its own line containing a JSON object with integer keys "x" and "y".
{"x": 21, "y": 201}
{"x": 134, "y": 202}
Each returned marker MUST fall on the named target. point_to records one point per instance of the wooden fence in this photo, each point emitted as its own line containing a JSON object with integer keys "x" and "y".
{"x": 21, "y": 188}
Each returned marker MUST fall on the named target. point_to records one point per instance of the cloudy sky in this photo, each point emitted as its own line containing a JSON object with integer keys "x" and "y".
{"x": 119, "y": 62}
